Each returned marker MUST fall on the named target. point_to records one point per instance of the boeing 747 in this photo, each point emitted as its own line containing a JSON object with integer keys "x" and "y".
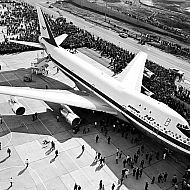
{"x": 119, "y": 95}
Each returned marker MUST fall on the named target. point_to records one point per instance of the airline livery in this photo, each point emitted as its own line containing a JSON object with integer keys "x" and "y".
{"x": 120, "y": 95}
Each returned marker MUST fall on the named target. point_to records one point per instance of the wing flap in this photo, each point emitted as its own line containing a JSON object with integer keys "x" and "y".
{"x": 78, "y": 99}
{"x": 132, "y": 75}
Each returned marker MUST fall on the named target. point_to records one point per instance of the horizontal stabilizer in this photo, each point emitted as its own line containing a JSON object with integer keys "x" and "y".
{"x": 60, "y": 39}
{"x": 33, "y": 44}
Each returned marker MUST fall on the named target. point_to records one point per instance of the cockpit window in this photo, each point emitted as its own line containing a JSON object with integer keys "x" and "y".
{"x": 184, "y": 129}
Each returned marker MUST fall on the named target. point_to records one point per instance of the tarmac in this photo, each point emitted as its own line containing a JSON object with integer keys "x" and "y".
{"x": 45, "y": 172}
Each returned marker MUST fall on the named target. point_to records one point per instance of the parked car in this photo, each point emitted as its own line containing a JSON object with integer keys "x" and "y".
{"x": 123, "y": 35}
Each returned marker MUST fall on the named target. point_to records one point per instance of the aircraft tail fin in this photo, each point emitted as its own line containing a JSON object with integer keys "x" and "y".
{"x": 45, "y": 30}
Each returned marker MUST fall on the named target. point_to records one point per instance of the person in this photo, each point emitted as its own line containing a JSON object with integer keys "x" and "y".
{"x": 79, "y": 187}
{"x": 121, "y": 181}
{"x": 113, "y": 186}
{"x": 153, "y": 180}
{"x": 9, "y": 152}
{"x": 134, "y": 171}
{"x": 123, "y": 172}
{"x": 11, "y": 182}
{"x": 174, "y": 179}
{"x": 116, "y": 159}
{"x": 56, "y": 153}
{"x": 113, "y": 127}
{"x": 109, "y": 138}
{"x": 27, "y": 163}
{"x": 124, "y": 162}
{"x": 126, "y": 173}
{"x": 1, "y": 120}
{"x": 140, "y": 172}
{"x": 83, "y": 148}
{"x": 52, "y": 145}
{"x": 104, "y": 160}
{"x": 96, "y": 157}
{"x": 103, "y": 188}
{"x": 33, "y": 117}
{"x": 120, "y": 153}
{"x": 142, "y": 163}
{"x": 97, "y": 137}
{"x": 164, "y": 156}
{"x": 100, "y": 184}
{"x": 117, "y": 151}
{"x": 0, "y": 145}
{"x": 146, "y": 185}
{"x": 175, "y": 187}
{"x": 75, "y": 186}
{"x": 137, "y": 173}
{"x": 165, "y": 176}
{"x": 36, "y": 115}
{"x": 99, "y": 155}
{"x": 57, "y": 117}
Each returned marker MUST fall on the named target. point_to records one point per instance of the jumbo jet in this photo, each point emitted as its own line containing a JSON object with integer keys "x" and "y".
{"x": 119, "y": 95}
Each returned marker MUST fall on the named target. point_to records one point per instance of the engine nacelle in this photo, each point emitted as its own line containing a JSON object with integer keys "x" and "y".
{"x": 69, "y": 115}
{"x": 16, "y": 106}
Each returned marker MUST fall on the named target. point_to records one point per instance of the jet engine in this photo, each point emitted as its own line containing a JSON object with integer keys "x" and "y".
{"x": 16, "y": 106}
{"x": 69, "y": 115}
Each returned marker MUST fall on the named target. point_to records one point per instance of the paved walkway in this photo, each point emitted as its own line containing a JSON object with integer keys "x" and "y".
{"x": 45, "y": 172}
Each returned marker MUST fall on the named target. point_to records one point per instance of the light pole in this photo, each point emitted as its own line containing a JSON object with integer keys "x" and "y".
{"x": 105, "y": 10}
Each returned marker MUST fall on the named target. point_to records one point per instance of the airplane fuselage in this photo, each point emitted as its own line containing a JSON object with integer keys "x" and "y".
{"x": 149, "y": 115}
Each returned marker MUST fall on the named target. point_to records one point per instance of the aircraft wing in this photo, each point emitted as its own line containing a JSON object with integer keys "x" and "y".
{"x": 75, "y": 98}
{"x": 33, "y": 44}
{"x": 132, "y": 75}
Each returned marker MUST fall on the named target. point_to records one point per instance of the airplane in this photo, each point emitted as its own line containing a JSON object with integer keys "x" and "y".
{"x": 118, "y": 95}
